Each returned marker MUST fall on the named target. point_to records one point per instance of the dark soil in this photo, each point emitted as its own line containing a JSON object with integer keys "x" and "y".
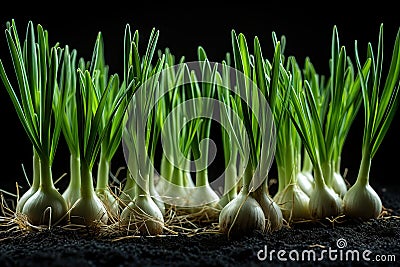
{"x": 60, "y": 247}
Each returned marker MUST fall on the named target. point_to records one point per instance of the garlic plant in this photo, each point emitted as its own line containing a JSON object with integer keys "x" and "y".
{"x": 36, "y": 65}
{"x": 177, "y": 136}
{"x": 231, "y": 149}
{"x": 140, "y": 134}
{"x": 324, "y": 202}
{"x": 113, "y": 133}
{"x": 293, "y": 201}
{"x": 325, "y": 113}
{"x": 380, "y": 104}
{"x": 93, "y": 126}
{"x": 69, "y": 83}
{"x": 244, "y": 213}
{"x": 202, "y": 196}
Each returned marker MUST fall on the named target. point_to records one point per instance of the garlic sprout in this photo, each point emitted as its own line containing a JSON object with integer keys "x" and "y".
{"x": 361, "y": 201}
{"x": 36, "y": 66}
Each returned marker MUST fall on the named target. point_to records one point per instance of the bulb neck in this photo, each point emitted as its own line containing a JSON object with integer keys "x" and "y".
{"x": 328, "y": 170}
{"x": 363, "y": 173}
{"x": 319, "y": 178}
{"x": 36, "y": 171}
{"x": 247, "y": 179}
{"x": 75, "y": 174}
{"x": 307, "y": 164}
{"x": 103, "y": 172}
{"x": 46, "y": 179}
{"x": 202, "y": 178}
{"x": 230, "y": 179}
{"x": 142, "y": 186}
{"x": 87, "y": 189}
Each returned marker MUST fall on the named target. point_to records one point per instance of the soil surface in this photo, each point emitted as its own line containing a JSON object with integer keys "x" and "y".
{"x": 375, "y": 242}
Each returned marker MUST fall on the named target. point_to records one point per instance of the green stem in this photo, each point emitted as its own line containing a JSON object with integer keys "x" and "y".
{"x": 247, "y": 178}
{"x": 177, "y": 176}
{"x": 129, "y": 184}
{"x": 337, "y": 164}
{"x": 142, "y": 188}
{"x": 129, "y": 190}
{"x": 186, "y": 175}
{"x": 152, "y": 188}
{"x": 290, "y": 166}
{"x": 46, "y": 179}
{"x": 319, "y": 177}
{"x": 328, "y": 169}
{"x": 165, "y": 168}
{"x": 307, "y": 164}
{"x": 296, "y": 164}
{"x": 103, "y": 172}
{"x": 75, "y": 176}
{"x": 202, "y": 178}
{"x": 230, "y": 180}
{"x": 36, "y": 171}
{"x": 132, "y": 167}
{"x": 87, "y": 189}
{"x": 281, "y": 178}
{"x": 363, "y": 173}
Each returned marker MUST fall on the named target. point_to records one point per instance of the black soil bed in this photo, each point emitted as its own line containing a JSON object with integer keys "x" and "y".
{"x": 343, "y": 242}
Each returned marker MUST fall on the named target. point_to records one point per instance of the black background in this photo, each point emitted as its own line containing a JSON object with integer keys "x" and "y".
{"x": 308, "y": 30}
